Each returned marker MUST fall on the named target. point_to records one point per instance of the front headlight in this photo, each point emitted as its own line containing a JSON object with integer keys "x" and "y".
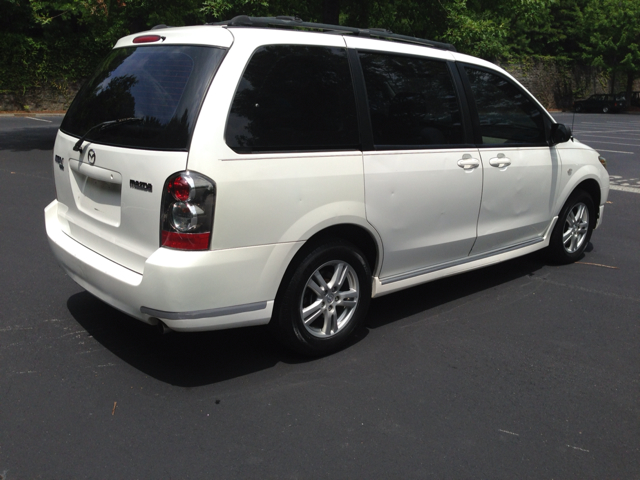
{"x": 603, "y": 161}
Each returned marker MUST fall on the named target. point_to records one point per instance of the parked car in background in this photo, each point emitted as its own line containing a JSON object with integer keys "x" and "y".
{"x": 249, "y": 173}
{"x": 634, "y": 100}
{"x": 600, "y": 102}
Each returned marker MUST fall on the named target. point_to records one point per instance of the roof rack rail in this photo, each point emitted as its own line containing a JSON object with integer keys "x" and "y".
{"x": 295, "y": 22}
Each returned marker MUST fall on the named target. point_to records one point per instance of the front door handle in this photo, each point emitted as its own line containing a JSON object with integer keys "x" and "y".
{"x": 500, "y": 161}
{"x": 468, "y": 162}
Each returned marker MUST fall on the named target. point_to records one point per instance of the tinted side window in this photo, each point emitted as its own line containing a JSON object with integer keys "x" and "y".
{"x": 412, "y": 101}
{"x": 507, "y": 114}
{"x": 292, "y": 98}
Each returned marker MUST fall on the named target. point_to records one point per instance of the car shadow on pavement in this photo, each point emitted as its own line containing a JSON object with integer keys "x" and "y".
{"x": 27, "y": 139}
{"x": 178, "y": 358}
{"x": 203, "y": 358}
{"x": 405, "y": 303}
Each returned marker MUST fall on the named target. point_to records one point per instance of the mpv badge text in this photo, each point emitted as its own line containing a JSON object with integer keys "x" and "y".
{"x": 145, "y": 187}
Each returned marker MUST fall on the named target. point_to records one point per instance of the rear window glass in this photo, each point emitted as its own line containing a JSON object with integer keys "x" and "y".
{"x": 163, "y": 86}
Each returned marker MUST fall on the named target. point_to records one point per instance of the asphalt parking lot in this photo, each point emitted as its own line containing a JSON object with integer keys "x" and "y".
{"x": 520, "y": 370}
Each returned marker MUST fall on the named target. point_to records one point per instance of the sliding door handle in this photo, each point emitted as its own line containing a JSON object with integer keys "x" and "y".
{"x": 500, "y": 161}
{"x": 468, "y": 162}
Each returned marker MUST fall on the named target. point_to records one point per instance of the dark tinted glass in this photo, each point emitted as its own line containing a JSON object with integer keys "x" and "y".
{"x": 292, "y": 98}
{"x": 162, "y": 85}
{"x": 412, "y": 101}
{"x": 507, "y": 114}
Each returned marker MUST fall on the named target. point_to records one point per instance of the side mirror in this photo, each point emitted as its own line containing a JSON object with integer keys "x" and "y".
{"x": 560, "y": 133}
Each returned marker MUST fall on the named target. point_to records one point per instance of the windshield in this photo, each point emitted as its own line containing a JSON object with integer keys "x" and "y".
{"x": 162, "y": 85}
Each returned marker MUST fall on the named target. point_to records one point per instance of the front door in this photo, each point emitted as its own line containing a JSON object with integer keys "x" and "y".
{"x": 520, "y": 169}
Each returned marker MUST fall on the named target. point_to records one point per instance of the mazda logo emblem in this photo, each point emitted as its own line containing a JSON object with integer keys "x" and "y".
{"x": 91, "y": 157}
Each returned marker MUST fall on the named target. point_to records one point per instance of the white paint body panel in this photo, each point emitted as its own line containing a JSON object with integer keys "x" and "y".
{"x": 428, "y": 217}
{"x": 518, "y": 199}
{"x": 271, "y": 198}
{"x": 177, "y": 281}
{"x": 579, "y": 163}
{"x": 122, "y": 225}
{"x": 423, "y": 205}
{"x": 380, "y": 287}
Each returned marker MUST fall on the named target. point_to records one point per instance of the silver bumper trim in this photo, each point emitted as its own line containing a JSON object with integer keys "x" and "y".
{"x": 214, "y": 312}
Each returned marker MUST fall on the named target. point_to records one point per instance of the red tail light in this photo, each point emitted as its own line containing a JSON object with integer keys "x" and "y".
{"x": 181, "y": 187}
{"x": 188, "y": 203}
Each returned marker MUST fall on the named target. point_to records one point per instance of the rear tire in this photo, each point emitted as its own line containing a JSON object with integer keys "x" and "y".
{"x": 573, "y": 230}
{"x": 605, "y": 109}
{"x": 324, "y": 300}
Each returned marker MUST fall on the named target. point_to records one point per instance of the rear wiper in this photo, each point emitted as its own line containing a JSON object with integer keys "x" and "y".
{"x": 104, "y": 126}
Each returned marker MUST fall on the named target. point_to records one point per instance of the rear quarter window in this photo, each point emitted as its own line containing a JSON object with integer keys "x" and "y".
{"x": 294, "y": 98}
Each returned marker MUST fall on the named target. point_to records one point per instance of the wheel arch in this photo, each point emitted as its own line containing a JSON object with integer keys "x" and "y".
{"x": 328, "y": 244}
{"x": 354, "y": 234}
{"x": 587, "y": 179}
{"x": 357, "y": 235}
{"x": 592, "y": 187}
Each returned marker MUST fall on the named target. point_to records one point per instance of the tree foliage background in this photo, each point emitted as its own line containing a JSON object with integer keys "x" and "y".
{"x": 54, "y": 43}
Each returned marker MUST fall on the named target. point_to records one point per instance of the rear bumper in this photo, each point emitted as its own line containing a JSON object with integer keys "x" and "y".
{"x": 188, "y": 291}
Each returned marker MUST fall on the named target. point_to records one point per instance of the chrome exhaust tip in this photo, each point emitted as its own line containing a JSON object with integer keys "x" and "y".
{"x": 162, "y": 328}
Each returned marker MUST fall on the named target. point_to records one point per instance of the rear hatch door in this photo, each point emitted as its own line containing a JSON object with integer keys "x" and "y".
{"x": 135, "y": 118}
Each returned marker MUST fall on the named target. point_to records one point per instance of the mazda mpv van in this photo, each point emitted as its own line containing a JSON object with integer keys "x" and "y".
{"x": 249, "y": 172}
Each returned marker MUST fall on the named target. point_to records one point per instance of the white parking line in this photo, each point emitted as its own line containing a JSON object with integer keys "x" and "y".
{"x": 582, "y": 132}
{"x": 39, "y": 119}
{"x": 608, "y": 123}
{"x": 578, "y": 448}
{"x": 615, "y": 143}
{"x": 614, "y": 151}
{"x": 624, "y": 189}
{"x": 633, "y": 126}
{"x": 619, "y": 178}
{"x": 603, "y": 135}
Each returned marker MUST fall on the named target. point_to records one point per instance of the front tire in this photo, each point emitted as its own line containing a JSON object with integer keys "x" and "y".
{"x": 324, "y": 300}
{"x": 605, "y": 109}
{"x": 571, "y": 234}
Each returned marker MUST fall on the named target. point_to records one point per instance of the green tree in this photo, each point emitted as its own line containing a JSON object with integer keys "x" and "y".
{"x": 56, "y": 42}
{"x": 421, "y": 18}
{"x": 476, "y": 31}
{"x": 566, "y": 30}
{"x": 612, "y": 36}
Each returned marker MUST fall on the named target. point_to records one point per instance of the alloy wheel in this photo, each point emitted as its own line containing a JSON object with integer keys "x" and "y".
{"x": 329, "y": 299}
{"x": 576, "y": 227}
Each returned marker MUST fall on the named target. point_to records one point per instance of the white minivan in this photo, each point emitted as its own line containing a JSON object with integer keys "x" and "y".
{"x": 250, "y": 172}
